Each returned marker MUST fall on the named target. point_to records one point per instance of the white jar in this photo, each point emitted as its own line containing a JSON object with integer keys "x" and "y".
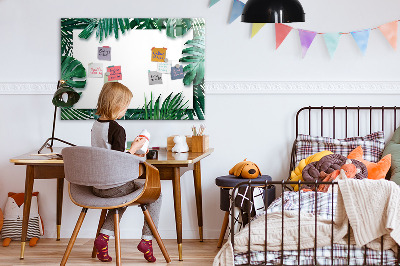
{"x": 144, "y": 134}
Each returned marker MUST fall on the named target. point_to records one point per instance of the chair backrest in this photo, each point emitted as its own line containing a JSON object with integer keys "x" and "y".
{"x": 92, "y": 166}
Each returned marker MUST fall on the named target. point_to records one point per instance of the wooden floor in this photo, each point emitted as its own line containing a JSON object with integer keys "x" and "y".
{"x": 50, "y": 252}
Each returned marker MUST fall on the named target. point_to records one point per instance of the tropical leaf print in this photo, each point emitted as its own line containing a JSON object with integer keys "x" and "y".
{"x": 69, "y": 113}
{"x": 67, "y": 26}
{"x": 172, "y": 108}
{"x": 72, "y": 69}
{"x": 194, "y": 72}
{"x": 147, "y": 24}
{"x": 198, "y": 25}
{"x": 198, "y": 101}
{"x": 177, "y": 27}
{"x": 105, "y": 27}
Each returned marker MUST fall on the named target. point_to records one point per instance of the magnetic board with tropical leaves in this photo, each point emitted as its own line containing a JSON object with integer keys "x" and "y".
{"x": 182, "y": 102}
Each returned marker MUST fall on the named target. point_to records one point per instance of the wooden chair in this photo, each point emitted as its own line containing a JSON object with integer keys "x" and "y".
{"x": 85, "y": 167}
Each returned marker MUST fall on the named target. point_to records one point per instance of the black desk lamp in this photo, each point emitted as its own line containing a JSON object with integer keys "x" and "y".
{"x": 273, "y": 11}
{"x": 60, "y": 101}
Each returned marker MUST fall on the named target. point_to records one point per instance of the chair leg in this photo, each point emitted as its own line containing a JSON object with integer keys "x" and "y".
{"x": 117, "y": 239}
{"x": 73, "y": 237}
{"x": 154, "y": 230}
{"x": 101, "y": 222}
{"x": 223, "y": 229}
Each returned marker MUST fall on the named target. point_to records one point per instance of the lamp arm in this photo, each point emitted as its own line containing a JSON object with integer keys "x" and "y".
{"x": 46, "y": 143}
{"x": 54, "y": 126}
{"x": 54, "y": 118}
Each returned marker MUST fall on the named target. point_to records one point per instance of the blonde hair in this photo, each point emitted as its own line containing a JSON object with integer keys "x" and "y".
{"x": 113, "y": 98}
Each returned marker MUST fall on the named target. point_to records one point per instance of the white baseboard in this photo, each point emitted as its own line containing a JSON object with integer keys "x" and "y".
{"x": 248, "y": 87}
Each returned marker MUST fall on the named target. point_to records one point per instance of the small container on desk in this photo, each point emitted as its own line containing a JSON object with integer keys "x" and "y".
{"x": 152, "y": 154}
{"x": 200, "y": 143}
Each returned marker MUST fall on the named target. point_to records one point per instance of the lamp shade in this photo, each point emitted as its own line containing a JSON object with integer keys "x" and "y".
{"x": 71, "y": 97}
{"x": 273, "y": 11}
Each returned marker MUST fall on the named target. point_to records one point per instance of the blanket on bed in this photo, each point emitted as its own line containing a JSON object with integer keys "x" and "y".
{"x": 371, "y": 206}
{"x": 373, "y": 209}
{"x": 274, "y": 235}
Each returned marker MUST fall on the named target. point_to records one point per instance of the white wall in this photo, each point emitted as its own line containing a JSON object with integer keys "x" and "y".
{"x": 259, "y": 127}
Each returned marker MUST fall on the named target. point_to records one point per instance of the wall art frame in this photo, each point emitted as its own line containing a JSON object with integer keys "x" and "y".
{"x": 156, "y": 106}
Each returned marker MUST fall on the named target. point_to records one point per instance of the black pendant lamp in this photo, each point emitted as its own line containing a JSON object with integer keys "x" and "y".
{"x": 273, "y": 11}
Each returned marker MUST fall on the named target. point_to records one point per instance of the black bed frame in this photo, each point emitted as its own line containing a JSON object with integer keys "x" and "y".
{"x": 333, "y": 112}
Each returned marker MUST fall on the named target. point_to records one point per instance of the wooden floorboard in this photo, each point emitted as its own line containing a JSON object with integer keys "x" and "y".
{"x": 50, "y": 252}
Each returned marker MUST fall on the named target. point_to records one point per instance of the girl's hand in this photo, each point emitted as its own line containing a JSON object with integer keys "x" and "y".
{"x": 142, "y": 155}
{"x": 137, "y": 144}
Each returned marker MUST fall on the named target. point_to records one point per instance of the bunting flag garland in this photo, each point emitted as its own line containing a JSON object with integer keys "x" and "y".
{"x": 389, "y": 30}
{"x": 281, "y": 31}
{"x": 361, "y": 37}
{"x": 213, "y": 2}
{"x": 306, "y": 39}
{"x": 256, "y": 28}
{"x": 237, "y": 8}
{"x": 332, "y": 41}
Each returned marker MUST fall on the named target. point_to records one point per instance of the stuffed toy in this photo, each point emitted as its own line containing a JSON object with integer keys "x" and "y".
{"x": 180, "y": 144}
{"x": 348, "y": 170}
{"x": 245, "y": 169}
{"x": 296, "y": 174}
{"x": 328, "y": 164}
{"x": 13, "y": 215}
{"x": 375, "y": 170}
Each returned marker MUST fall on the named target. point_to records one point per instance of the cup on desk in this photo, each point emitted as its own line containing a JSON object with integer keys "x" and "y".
{"x": 152, "y": 155}
{"x": 200, "y": 143}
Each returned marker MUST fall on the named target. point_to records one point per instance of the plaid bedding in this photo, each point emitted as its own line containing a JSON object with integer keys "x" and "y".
{"x": 324, "y": 257}
{"x": 322, "y": 207}
{"x": 372, "y": 145}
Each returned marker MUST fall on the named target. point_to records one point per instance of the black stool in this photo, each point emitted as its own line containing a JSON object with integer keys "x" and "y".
{"x": 226, "y": 183}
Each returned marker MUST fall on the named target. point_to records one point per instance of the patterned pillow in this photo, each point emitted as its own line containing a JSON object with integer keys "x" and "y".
{"x": 372, "y": 145}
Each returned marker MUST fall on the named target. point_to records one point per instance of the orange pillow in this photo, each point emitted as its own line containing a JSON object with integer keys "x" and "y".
{"x": 375, "y": 170}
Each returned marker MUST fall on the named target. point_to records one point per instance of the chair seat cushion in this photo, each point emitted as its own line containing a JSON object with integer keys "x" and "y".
{"x": 83, "y": 196}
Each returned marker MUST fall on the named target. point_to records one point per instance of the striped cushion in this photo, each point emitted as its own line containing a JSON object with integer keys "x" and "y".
{"x": 13, "y": 228}
{"x": 372, "y": 145}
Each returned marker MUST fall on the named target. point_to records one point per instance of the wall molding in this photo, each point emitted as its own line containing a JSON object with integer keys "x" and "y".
{"x": 250, "y": 87}
{"x": 27, "y": 88}
{"x": 303, "y": 87}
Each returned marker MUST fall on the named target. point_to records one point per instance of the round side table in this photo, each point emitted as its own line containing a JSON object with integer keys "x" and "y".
{"x": 228, "y": 182}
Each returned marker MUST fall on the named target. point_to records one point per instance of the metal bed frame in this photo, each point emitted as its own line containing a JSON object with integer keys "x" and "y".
{"x": 283, "y": 184}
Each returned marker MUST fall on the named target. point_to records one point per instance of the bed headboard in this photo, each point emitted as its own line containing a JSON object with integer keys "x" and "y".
{"x": 344, "y": 121}
{"x": 347, "y": 115}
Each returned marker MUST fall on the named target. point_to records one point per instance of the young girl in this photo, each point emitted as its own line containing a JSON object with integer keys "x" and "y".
{"x": 106, "y": 133}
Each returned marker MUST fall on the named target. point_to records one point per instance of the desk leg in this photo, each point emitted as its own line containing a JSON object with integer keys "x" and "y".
{"x": 60, "y": 190}
{"x": 199, "y": 204}
{"x": 176, "y": 182}
{"x": 27, "y": 206}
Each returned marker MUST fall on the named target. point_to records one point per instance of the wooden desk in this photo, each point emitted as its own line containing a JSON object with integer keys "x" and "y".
{"x": 168, "y": 164}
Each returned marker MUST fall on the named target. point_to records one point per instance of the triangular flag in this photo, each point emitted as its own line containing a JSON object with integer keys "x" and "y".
{"x": 213, "y": 2}
{"x": 281, "y": 31}
{"x": 306, "y": 39}
{"x": 390, "y": 32}
{"x": 361, "y": 37}
{"x": 255, "y": 28}
{"x": 237, "y": 9}
{"x": 332, "y": 41}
